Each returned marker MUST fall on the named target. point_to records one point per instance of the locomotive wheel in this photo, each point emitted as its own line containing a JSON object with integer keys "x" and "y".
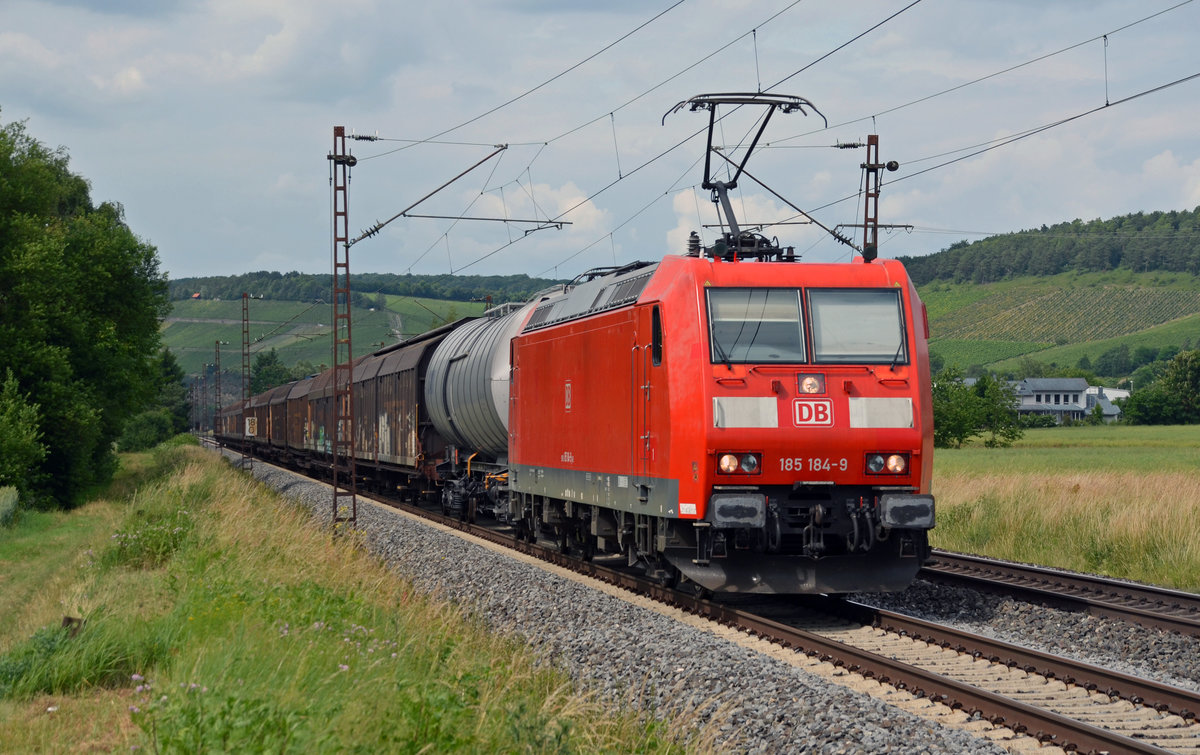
{"x": 692, "y": 589}
{"x": 588, "y": 548}
{"x": 671, "y": 576}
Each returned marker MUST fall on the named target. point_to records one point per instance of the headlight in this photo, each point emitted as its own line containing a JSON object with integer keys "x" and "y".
{"x": 887, "y": 464}
{"x": 811, "y": 383}
{"x": 739, "y": 463}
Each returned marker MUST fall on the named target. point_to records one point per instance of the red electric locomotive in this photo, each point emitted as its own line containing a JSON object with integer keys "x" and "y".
{"x": 752, "y": 425}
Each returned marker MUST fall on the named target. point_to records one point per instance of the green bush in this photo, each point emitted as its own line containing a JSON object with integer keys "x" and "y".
{"x": 146, "y": 430}
{"x": 21, "y": 449}
{"x": 8, "y": 506}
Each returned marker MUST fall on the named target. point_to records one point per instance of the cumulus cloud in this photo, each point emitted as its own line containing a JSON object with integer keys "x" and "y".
{"x": 1176, "y": 182}
{"x": 160, "y": 102}
{"x": 127, "y": 81}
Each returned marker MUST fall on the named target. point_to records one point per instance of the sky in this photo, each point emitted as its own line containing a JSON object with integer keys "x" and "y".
{"x": 211, "y": 122}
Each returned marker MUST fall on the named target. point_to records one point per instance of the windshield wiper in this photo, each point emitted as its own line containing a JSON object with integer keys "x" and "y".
{"x": 722, "y": 356}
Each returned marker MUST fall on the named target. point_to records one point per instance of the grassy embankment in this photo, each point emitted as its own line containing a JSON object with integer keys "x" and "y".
{"x": 219, "y": 619}
{"x": 1122, "y": 501}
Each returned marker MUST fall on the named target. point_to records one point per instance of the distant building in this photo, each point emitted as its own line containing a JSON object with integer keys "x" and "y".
{"x": 1067, "y": 399}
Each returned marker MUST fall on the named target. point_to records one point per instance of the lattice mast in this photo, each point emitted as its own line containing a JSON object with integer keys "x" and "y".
{"x": 871, "y": 168}
{"x": 217, "y": 428}
{"x": 341, "y": 431}
{"x": 248, "y": 425}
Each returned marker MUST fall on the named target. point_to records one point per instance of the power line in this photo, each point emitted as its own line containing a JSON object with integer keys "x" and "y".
{"x": 1048, "y": 126}
{"x": 1011, "y": 139}
{"x": 694, "y": 134}
{"x": 550, "y": 80}
{"x": 842, "y": 46}
{"x": 981, "y": 79}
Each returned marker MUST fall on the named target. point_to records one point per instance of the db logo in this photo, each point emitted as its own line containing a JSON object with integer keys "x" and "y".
{"x": 813, "y": 411}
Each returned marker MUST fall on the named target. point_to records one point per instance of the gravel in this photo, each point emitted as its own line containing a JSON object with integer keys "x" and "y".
{"x": 634, "y": 657}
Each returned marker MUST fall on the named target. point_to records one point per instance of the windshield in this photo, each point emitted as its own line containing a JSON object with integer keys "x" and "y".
{"x": 857, "y": 325}
{"x": 755, "y": 325}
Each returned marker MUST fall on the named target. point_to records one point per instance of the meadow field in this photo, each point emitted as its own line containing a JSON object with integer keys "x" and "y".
{"x": 218, "y": 619}
{"x": 1117, "y": 500}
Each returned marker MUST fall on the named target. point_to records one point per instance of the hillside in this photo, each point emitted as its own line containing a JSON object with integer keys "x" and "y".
{"x": 1059, "y": 320}
{"x": 297, "y": 330}
{"x": 1061, "y": 295}
{"x": 1141, "y": 242}
{"x": 366, "y": 288}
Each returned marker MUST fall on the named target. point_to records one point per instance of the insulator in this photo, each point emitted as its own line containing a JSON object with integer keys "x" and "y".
{"x": 693, "y": 243}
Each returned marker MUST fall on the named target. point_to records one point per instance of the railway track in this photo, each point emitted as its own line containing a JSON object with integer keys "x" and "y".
{"x": 1069, "y": 704}
{"x": 1058, "y": 701}
{"x": 1150, "y": 606}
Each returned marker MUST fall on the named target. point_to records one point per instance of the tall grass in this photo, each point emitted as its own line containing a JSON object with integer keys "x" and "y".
{"x": 250, "y": 630}
{"x": 1121, "y": 501}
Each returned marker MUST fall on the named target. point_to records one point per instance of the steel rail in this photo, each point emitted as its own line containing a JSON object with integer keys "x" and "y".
{"x": 1161, "y": 697}
{"x": 1148, "y": 605}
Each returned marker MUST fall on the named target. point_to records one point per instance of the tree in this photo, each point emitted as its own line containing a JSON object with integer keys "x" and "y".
{"x": 1173, "y": 399}
{"x": 168, "y": 417}
{"x": 960, "y": 412}
{"x": 172, "y": 391}
{"x": 936, "y": 363}
{"x": 1114, "y": 362}
{"x": 305, "y": 368}
{"x": 268, "y": 371}
{"x": 997, "y": 407}
{"x": 1182, "y": 380}
{"x": 20, "y": 440}
{"x": 954, "y": 417}
{"x": 80, "y": 302}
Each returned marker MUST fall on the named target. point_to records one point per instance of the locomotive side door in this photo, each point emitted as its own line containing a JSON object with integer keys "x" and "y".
{"x": 646, "y": 356}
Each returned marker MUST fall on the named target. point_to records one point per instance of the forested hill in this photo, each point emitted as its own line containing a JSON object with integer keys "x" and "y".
{"x": 1143, "y": 242}
{"x": 307, "y": 287}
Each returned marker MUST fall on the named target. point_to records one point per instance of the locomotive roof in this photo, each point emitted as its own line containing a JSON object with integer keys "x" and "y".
{"x": 620, "y": 288}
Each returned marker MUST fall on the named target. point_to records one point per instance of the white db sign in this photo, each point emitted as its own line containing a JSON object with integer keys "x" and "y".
{"x": 812, "y": 412}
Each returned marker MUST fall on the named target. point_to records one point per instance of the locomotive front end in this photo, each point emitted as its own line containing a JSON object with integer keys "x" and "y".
{"x": 818, "y": 448}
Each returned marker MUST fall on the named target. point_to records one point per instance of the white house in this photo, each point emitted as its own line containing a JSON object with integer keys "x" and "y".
{"x": 1067, "y": 398}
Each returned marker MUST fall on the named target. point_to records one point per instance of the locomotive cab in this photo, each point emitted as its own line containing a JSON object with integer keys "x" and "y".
{"x": 818, "y": 432}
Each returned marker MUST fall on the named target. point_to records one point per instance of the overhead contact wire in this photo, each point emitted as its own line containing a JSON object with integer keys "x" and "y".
{"x": 550, "y": 80}
{"x": 981, "y": 79}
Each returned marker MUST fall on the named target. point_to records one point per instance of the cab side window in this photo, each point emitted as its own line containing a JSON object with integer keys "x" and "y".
{"x": 656, "y": 336}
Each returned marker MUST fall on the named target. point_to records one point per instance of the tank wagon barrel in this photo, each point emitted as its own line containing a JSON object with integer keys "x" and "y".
{"x": 467, "y": 385}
